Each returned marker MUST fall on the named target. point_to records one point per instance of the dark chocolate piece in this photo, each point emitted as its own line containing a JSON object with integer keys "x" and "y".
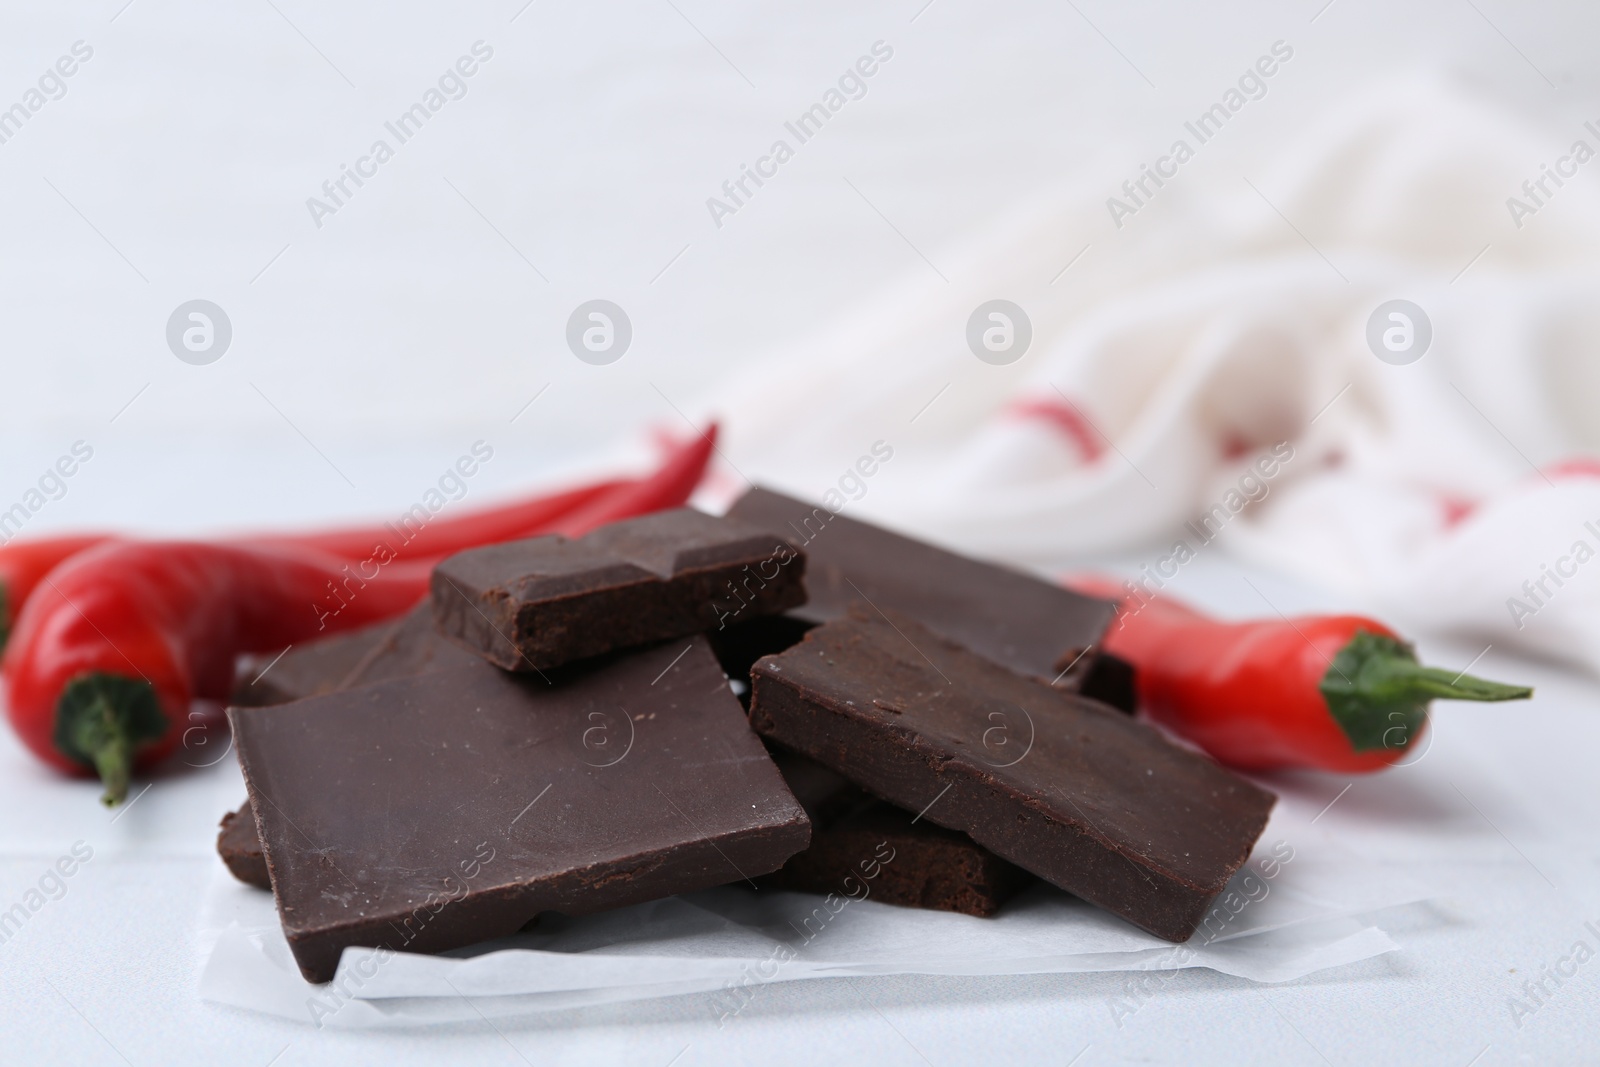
{"x": 437, "y": 811}
{"x": 240, "y": 848}
{"x": 1111, "y": 680}
{"x": 305, "y": 670}
{"x": 862, "y": 847}
{"x": 405, "y": 647}
{"x": 1015, "y": 619}
{"x": 877, "y": 853}
{"x": 535, "y": 604}
{"x": 1085, "y": 797}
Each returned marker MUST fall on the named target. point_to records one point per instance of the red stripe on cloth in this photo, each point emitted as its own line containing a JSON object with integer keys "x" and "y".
{"x": 1576, "y": 467}
{"x": 1456, "y": 510}
{"x": 1065, "y": 417}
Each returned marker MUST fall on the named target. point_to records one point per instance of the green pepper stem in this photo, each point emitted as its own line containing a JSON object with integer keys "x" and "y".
{"x": 98, "y": 734}
{"x": 1389, "y": 678}
{"x": 101, "y": 720}
{"x": 113, "y": 761}
{"x": 1378, "y": 693}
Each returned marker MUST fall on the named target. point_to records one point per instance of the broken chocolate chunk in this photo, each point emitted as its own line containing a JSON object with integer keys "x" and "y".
{"x": 436, "y": 811}
{"x": 1087, "y": 798}
{"x": 240, "y": 848}
{"x": 878, "y": 853}
{"x": 536, "y": 604}
{"x": 864, "y": 848}
{"x": 392, "y": 649}
{"x": 1015, "y": 619}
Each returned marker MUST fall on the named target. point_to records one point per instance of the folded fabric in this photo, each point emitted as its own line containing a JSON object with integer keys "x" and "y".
{"x": 1230, "y": 322}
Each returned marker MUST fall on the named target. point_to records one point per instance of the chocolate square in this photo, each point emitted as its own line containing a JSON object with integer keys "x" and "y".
{"x": 436, "y": 811}
{"x": 536, "y": 604}
{"x": 1085, "y": 797}
{"x": 1015, "y": 619}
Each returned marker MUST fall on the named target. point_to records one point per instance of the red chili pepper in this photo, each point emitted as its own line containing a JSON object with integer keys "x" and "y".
{"x": 669, "y": 487}
{"x": 23, "y": 564}
{"x": 103, "y": 667}
{"x": 437, "y": 538}
{"x": 1331, "y": 692}
{"x": 106, "y": 660}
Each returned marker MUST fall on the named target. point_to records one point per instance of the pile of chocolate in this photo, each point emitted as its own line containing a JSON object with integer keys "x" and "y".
{"x": 780, "y": 698}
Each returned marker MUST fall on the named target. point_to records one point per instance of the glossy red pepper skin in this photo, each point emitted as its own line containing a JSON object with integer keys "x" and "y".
{"x": 23, "y": 565}
{"x": 139, "y": 630}
{"x": 1248, "y": 693}
{"x": 669, "y": 487}
{"x": 175, "y": 615}
{"x": 444, "y": 536}
{"x": 1260, "y": 695}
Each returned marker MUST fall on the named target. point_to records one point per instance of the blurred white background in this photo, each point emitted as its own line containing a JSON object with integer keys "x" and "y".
{"x": 414, "y": 321}
{"x": 369, "y": 353}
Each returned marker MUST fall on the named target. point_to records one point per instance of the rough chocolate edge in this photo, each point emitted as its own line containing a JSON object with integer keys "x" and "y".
{"x": 930, "y": 868}
{"x": 240, "y": 848}
{"x": 482, "y": 624}
{"x": 499, "y": 913}
{"x": 914, "y": 775}
{"x": 543, "y": 634}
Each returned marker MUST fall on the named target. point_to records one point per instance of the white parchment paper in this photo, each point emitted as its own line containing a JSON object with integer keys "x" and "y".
{"x": 1283, "y": 920}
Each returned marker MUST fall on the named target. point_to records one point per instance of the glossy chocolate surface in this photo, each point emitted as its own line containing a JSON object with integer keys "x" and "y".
{"x": 535, "y": 604}
{"x": 1087, "y": 798}
{"x": 392, "y": 649}
{"x": 1015, "y": 619}
{"x": 436, "y": 811}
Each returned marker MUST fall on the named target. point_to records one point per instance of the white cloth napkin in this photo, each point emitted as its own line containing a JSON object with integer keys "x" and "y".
{"x": 1230, "y": 317}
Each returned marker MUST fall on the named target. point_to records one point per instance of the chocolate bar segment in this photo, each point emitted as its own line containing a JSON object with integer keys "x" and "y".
{"x": 1015, "y": 619}
{"x": 536, "y": 604}
{"x": 1087, "y": 798}
{"x": 393, "y": 649}
{"x": 879, "y": 849}
{"x": 240, "y": 848}
{"x": 437, "y": 811}
{"x": 859, "y": 843}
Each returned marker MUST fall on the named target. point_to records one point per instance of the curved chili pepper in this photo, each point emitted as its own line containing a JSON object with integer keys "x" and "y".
{"x": 104, "y": 663}
{"x": 102, "y": 669}
{"x": 23, "y": 564}
{"x": 1330, "y": 692}
{"x": 438, "y": 538}
{"x": 669, "y": 487}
